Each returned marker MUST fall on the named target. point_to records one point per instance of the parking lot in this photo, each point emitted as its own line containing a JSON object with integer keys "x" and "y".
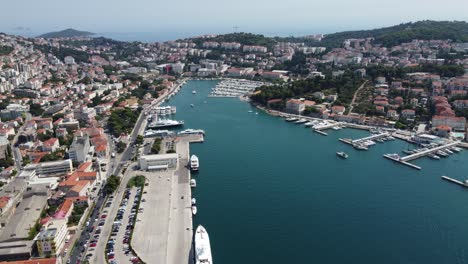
{"x": 118, "y": 249}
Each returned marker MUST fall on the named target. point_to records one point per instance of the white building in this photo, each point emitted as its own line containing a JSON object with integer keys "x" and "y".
{"x": 158, "y": 162}
{"x": 51, "y": 238}
{"x": 51, "y": 168}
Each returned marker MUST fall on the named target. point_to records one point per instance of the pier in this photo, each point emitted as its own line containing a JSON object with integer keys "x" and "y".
{"x": 370, "y": 138}
{"x": 428, "y": 151}
{"x": 464, "y": 184}
{"x": 390, "y": 157}
{"x": 404, "y": 160}
{"x": 327, "y": 126}
{"x": 320, "y": 132}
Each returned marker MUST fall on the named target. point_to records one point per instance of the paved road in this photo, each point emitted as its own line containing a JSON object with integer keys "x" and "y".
{"x": 84, "y": 234}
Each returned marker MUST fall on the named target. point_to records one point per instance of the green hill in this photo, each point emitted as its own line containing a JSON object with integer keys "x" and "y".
{"x": 67, "y": 33}
{"x": 390, "y": 36}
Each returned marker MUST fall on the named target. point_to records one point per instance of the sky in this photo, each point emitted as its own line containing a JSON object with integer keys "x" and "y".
{"x": 194, "y": 17}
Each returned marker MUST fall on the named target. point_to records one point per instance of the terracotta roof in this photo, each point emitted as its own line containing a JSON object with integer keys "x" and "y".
{"x": 33, "y": 261}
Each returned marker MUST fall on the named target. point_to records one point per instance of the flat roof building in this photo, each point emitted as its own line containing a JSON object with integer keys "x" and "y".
{"x": 51, "y": 168}
{"x": 158, "y": 162}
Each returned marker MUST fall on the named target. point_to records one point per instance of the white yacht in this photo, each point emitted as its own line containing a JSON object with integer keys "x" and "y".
{"x": 193, "y": 183}
{"x": 194, "y": 201}
{"x": 194, "y": 163}
{"x": 202, "y": 247}
{"x": 194, "y": 92}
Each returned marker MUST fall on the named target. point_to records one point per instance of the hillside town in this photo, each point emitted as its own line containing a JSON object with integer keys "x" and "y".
{"x": 64, "y": 105}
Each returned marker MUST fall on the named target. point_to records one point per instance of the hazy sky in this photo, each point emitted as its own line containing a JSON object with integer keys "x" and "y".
{"x": 212, "y": 16}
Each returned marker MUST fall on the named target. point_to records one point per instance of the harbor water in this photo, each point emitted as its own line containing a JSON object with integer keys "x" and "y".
{"x": 269, "y": 191}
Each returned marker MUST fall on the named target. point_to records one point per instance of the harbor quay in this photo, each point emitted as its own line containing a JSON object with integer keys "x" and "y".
{"x": 163, "y": 232}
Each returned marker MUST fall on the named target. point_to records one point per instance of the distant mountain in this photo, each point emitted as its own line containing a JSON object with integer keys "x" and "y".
{"x": 67, "y": 33}
{"x": 390, "y": 36}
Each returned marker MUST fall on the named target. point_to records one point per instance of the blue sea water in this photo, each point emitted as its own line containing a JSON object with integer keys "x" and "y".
{"x": 269, "y": 191}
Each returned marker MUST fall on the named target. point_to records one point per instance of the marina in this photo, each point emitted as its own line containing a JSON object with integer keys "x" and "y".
{"x": 421, "y": 153}
{"x": 235, "y": 87}
{"x": 319, "y": 195}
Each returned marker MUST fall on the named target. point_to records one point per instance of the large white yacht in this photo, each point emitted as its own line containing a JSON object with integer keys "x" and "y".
{"x": 202, "y": 246}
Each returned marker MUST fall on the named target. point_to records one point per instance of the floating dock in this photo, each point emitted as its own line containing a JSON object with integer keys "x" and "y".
{"x": 402, "y": 162}
{"x": 428, "y": 151}
{"x": 382, "y": 135}
{"x": 320, "y": 132}
{"x": 455, "y": 181}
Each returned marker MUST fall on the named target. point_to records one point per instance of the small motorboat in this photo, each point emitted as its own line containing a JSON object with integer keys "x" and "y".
{"x": 193, "y": 183}
{"x": 194, "y": 209}
{"x": 194, "y": 201}
{"x": 341, "y": 154}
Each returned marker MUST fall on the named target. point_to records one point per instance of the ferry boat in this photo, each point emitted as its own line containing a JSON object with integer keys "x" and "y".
{"x": 194, "y": 201}
{"x": 192, "y": 131}
{"x": 194, "y": 163}
{"x": 341, "y": 154}
{"x": 202, "y": 247}
{"x": 193, "y": 183}
{"x": 194, "y": 209}
{"x": 165, "y": 123}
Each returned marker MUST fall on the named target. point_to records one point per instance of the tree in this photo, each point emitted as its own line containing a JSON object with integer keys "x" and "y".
{"x": 121, "y": 147}
{"x": 112, "y": 184}
{"x": 156, "y": 147}
{"x": 139, "y": 139}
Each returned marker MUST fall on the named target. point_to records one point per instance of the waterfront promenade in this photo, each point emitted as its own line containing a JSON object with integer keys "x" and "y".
{"x": 166, "y": 222}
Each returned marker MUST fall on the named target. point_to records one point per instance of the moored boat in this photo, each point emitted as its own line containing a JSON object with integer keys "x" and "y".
{"x": 193, "y": 183}
{"x": 194, "y": 201}
{"x": 194, "y": 209}
{"x": 202, "y": 247}
{"x": 194, "y": 164}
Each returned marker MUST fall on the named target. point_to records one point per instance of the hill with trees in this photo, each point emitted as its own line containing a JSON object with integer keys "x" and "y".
{"x": 394, "y": 35}
{"x": 67, "y": 33}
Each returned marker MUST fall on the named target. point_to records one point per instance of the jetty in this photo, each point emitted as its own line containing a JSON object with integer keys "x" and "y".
{"x": 377, "y": 136}
{"x": 320, "y": 132}
{"x": 428, "y": 151}
{"x": 464, "y": 184}
{"x": 405, "y": 160}
{"x": 398, "y": 159}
